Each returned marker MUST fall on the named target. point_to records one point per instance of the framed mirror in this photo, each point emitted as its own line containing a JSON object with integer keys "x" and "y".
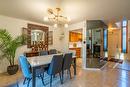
{"x": 37, "y": 36}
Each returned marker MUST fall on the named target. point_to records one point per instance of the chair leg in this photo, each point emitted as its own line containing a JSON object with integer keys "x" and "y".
{"x": 51, "y": 81}
{"x": 28, "y": 82}
{"x": 67, "y": 71}
{"x": 24, "y": 80}
{"x": 60, "y": 78}
{"x": 42, "y": 78}
{"x": 17, "y": 84}
{"x": 70, "y": 73}
{"x": 54, "y": 76}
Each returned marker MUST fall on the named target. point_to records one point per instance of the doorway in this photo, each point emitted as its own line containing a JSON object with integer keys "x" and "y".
{"x": 114, "y": 43}
{"x": 94, "y": 48}
{"x": 75, "y": 44}
{"x": 95, "y": 43}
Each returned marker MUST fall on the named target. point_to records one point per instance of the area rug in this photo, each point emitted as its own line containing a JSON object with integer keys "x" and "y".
{"x": 116, "y": 60}
{"x": 112, "y": 60}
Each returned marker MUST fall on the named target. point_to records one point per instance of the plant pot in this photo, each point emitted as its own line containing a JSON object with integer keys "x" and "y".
{"x": 12, "y": 69}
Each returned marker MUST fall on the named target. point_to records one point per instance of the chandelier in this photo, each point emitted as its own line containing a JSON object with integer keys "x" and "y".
{"x": 54, "y": 16}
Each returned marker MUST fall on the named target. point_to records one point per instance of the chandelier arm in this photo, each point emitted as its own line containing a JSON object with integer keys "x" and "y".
{"x": 56, "y": 17}
{"x": 63, "y": 16}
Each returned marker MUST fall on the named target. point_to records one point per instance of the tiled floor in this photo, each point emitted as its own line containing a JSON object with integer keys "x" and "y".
{"x": 109, "y": 76}
{"x": 6, "y": 79}
{"x": 95, "y": 63}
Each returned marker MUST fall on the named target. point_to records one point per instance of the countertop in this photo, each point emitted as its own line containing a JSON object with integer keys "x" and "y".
{"x": 74, "y": 47}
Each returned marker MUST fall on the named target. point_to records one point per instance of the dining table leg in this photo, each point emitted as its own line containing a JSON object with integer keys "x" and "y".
{"x": 74, "y": 66}
{"x": 33, "y": 77}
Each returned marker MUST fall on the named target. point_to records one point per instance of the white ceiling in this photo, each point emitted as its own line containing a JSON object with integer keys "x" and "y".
{"x": 77, "y": 10}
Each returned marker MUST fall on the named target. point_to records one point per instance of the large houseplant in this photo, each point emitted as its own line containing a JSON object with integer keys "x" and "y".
{"x": 8, "y": 47}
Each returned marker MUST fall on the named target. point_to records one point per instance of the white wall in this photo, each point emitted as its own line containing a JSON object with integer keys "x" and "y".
{"x": 14, "y": 26}
{"x": 80, "y": 25}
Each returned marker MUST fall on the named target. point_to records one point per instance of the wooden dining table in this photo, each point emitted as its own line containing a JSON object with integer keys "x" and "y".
{"x": 45, "y": 60}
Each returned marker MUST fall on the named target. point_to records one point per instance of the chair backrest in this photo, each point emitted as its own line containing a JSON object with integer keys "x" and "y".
{"x": 67, "y": 61}
{"x": 73, "y": 52}
{"x": 43, "y": 53}
{"x": 56, "y": 65}
{"x": 52, "y": 51}
{"x": 24, "y": 66}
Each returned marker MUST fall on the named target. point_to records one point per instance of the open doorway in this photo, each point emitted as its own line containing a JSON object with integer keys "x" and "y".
{"x": 95, "y": 43}
{"x": 114, "y": 43}
{"x": 75, "y": 44}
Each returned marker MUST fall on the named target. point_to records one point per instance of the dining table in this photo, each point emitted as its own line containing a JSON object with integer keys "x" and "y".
{"x": 38, "y": 61}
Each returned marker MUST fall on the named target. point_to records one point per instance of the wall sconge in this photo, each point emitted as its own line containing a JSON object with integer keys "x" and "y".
{"x": 61, "y": 36}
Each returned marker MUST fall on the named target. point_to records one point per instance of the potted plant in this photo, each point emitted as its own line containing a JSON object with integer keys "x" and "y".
{"x": 8, "y": 47}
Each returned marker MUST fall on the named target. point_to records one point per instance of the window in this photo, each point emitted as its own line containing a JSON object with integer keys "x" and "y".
{"x": 124, "y": 36}
{"x": 105, "y": 39}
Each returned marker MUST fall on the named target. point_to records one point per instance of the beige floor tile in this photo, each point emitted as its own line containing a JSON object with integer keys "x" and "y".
{"x": 107, "y": 77}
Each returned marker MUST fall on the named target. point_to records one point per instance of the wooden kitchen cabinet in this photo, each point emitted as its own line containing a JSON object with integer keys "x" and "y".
{"x": 78, "y": 51}
{"x": 75, "y": 37}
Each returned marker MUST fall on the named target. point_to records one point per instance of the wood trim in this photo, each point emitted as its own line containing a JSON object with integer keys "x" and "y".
{"x": 69, "y": 36}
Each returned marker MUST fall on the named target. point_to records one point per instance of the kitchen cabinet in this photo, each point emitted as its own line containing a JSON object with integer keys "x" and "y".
{"x": 78, "y": 51}
{"x": 75, "y": 37}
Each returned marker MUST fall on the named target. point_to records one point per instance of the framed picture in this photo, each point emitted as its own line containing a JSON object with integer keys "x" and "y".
{"x": 25, "y": 34}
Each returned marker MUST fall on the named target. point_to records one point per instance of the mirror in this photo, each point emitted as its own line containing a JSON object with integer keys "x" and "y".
{"x": 37, "y": 37}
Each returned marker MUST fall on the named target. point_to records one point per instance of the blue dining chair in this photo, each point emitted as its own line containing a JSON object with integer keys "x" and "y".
{"x": 26, "y": 70}
{"x": 67, "y": 61}
{"x": 55, "y": 67}
{"x": 41, "y": 53}
{"x": 52, "y": 51}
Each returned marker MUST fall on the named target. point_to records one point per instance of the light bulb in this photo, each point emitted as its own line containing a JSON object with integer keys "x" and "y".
{"x": 45, "y": 18}
{"x": 68, "y": 19}
{"x": 55, "y": 25}
{"x": 51, "y": 16}
{"x": 66, "y": 25}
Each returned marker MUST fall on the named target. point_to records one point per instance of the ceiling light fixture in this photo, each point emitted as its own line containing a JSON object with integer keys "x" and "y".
{"x": 54, "y": 16}
{"x": 66, "y": 25}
